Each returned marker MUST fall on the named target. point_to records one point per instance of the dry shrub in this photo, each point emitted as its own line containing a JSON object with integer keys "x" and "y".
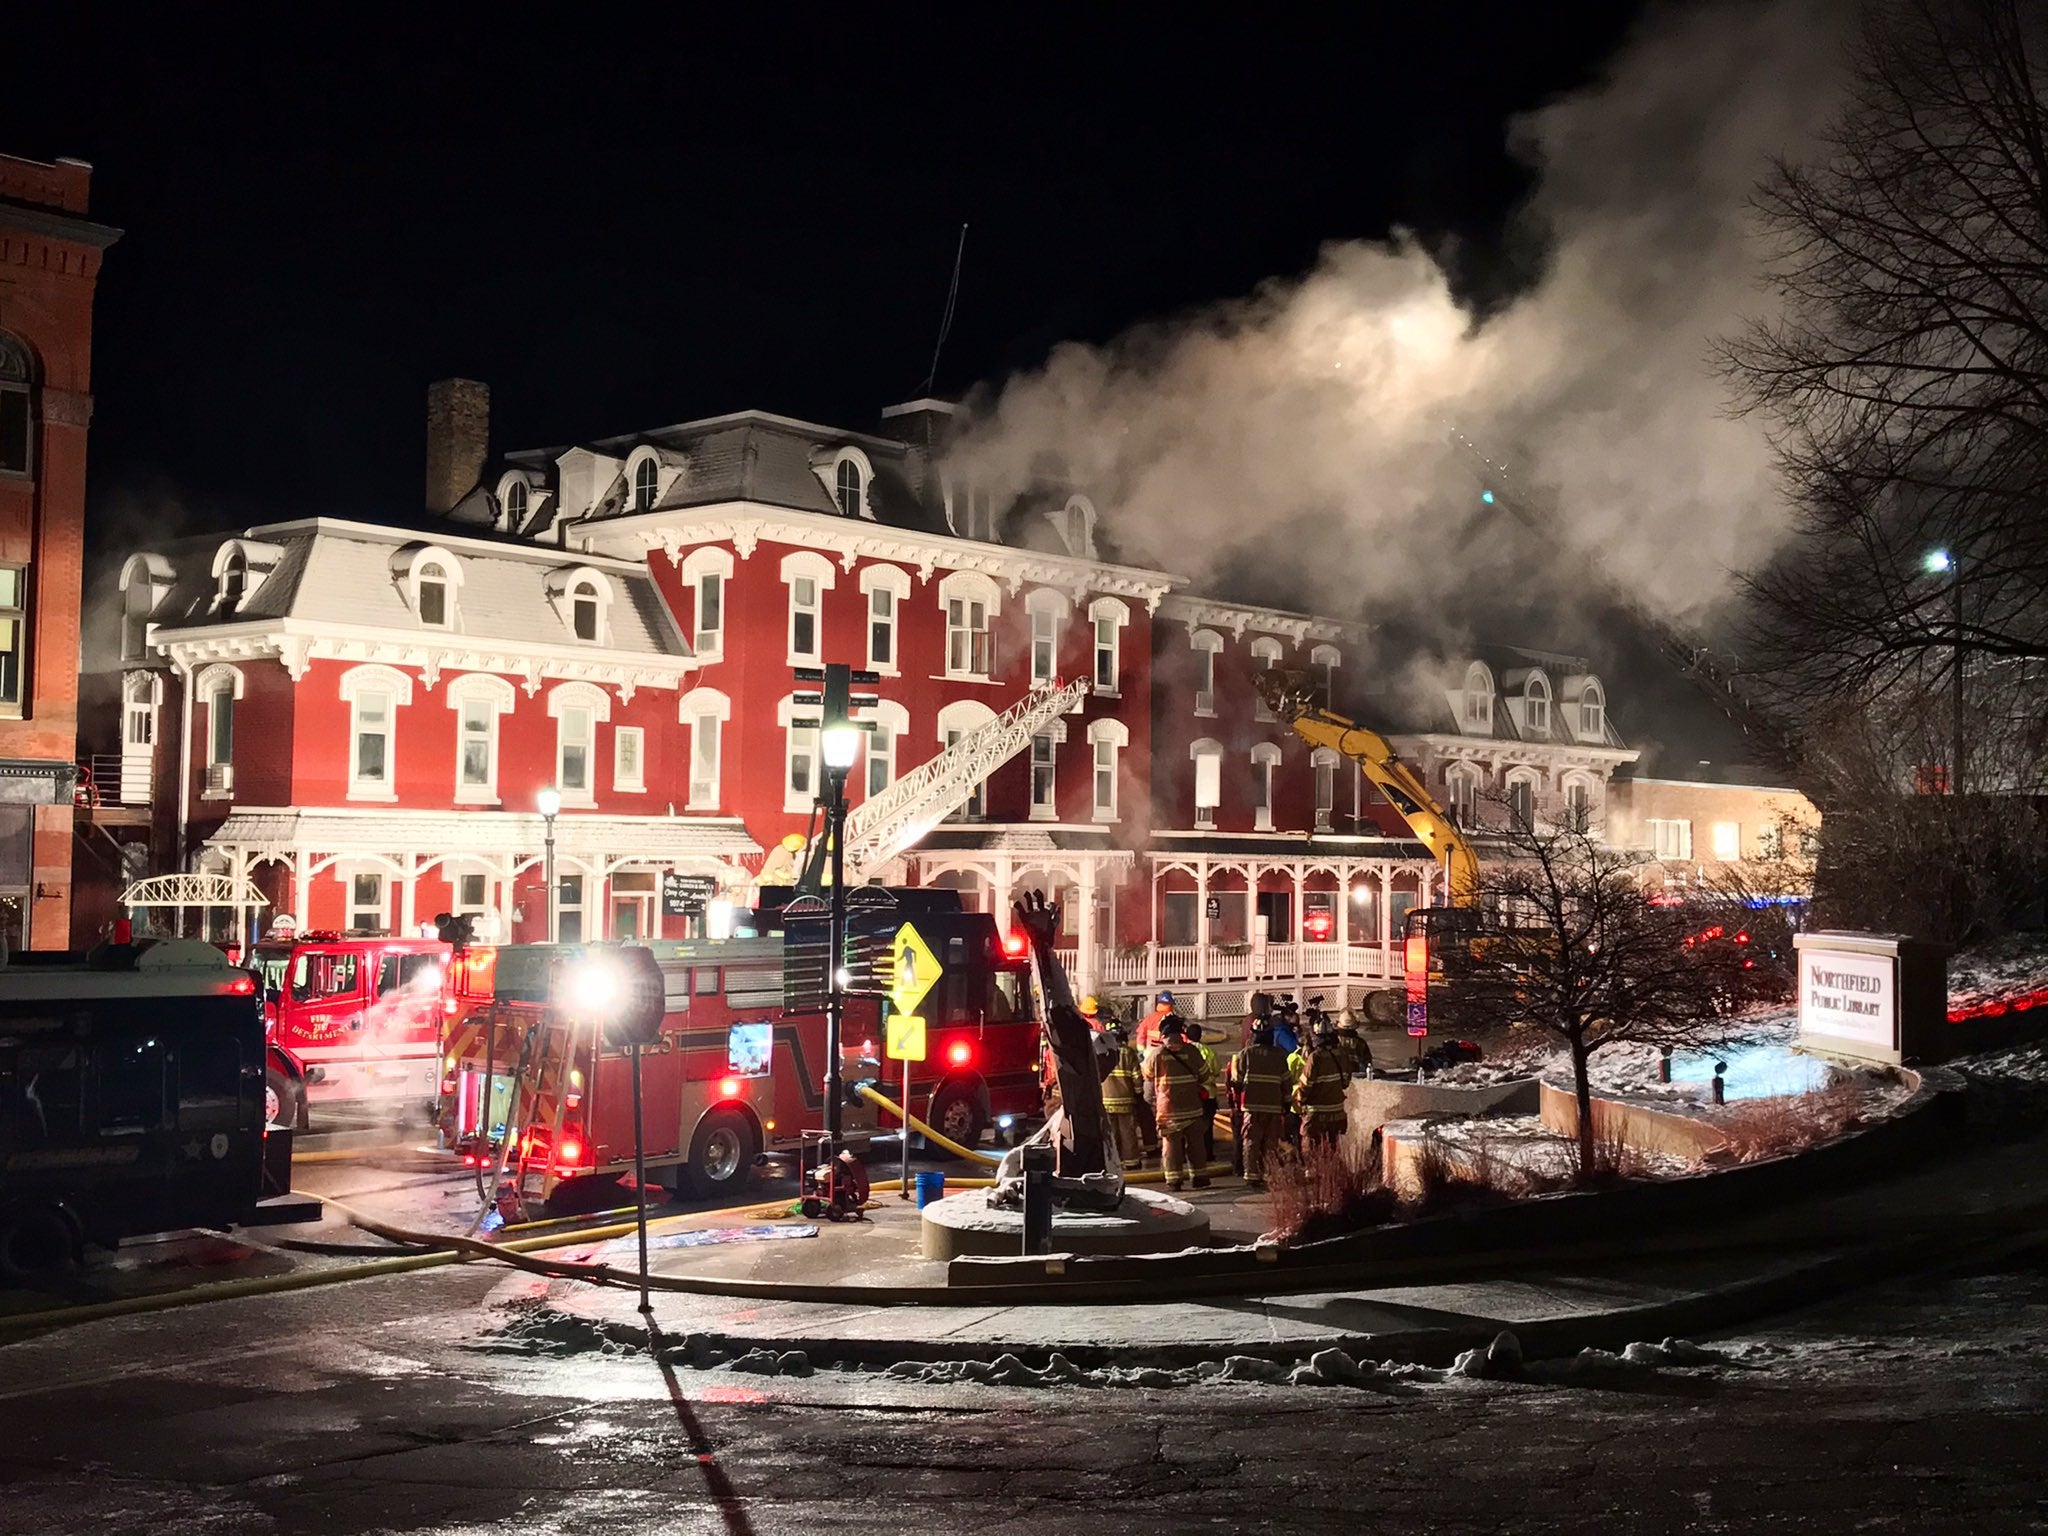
{"x": 1759, "y": 1128}
{"x": 1480, "y": 1173}
{"x": 1329, "y": 1190}
{"x": 1615, "y": 1157}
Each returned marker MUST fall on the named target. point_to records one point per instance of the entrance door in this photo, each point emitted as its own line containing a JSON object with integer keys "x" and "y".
{"x": 633, "y": 894}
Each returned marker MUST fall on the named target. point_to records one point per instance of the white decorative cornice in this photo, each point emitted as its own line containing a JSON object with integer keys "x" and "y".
{"x": 747, "y": 525}
{"x": 1238, "y": 618}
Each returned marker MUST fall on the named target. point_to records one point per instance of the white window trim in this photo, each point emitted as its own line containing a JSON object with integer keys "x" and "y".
{"x": 1681, "y": 835}
{"x": 399, "y": 686}
{"x": 630, "y": 475}
{"x": 1267, "y": 649}
{"x": 407, "y": 565}
{"x": 1520, "y": 776}
{"x": 567, "y": 696}
{"x": 1054, "y": 733}
{"x": 257, "y": 560}
{"x": 562, "y": 587}
{"x": 1066, "y": 521}
{"x": 1321, "y": 760}
{"x": 969, "y": 587}
{"x": 1592, "y": 692}
{"x": 895, "y": 719}
{"x": 1057, "y": 609}
{"x": 1478, "y": 692}
{"x": 152, "y": 576}
{"x": 637, "y": 783}
{"x": 708, "y": 560}
{"x": 1207, "y": 640}
{"x": 828, "y": 472}
{"x": 1120, "y": 615}
{"x": 806, "y": 564}
{"x": 894, "y": 580}
{"x": 965, "y": 716}
{"x": 217, "y": 782}
{"x": 349, "y": 875}
{"x": 787, "y": 712}
{"x": 1535, "y": 692}
{"x": 1473, "y": 778}
{"x": 1116, "y": 736}
{"x": 1197, "y": 750}
{"x": 500, "y": 696}
{"x": 1265, "y": 761}
{"x": 696, "y": 705}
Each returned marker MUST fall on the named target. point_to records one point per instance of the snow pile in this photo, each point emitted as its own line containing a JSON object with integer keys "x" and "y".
{"x": 1525, "y": 1143}
{"x": 2010, "y": 972}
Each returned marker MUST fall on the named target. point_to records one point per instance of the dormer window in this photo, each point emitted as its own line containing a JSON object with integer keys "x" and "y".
{"x": 847, "y": 476}
{"x": 646, "y": 485}
{"x": 847, "y": 491}
{"x": 234, "y": 582}
{"x": 1592, "y": 713}
{"x": 431, "y": 578}
{"x": 1536, "y": 705}
{"x": 1478, "y": 700}
{"x": 582, "y": 599}
{"x": 515, "y": 506}
{"x": 434, "y": 595}
{"x": 586, "y": 611}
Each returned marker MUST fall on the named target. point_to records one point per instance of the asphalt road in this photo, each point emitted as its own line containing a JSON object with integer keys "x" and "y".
{"x": 402, "y": 1405}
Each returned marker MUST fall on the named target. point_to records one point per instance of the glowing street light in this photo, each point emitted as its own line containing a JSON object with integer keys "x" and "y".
{"x": 1937, "y": 561}
{"x": 841, "y": 746}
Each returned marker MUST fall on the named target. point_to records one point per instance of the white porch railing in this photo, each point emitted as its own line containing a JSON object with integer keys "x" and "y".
{"x": 1281, "y": 968}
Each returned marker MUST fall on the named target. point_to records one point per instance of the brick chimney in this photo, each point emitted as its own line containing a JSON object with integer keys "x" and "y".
{"x": 458, "y": 440}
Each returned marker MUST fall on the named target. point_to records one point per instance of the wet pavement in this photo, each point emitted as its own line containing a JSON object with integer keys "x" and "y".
{"x": 417, "y": 1404}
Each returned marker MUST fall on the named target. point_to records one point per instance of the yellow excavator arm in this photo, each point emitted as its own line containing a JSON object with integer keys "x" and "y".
{"x": 1292, "y": 697}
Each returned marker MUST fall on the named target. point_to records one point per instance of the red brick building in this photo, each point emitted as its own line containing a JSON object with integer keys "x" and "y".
{"x": 358, "y": 717}
{"x": 49, "y": 264}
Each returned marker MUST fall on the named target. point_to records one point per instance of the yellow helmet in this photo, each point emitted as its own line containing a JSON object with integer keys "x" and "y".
{"x": 1089, "y": 1005}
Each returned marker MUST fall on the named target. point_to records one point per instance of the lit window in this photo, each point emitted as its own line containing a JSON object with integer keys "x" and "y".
{"x": 138, "y": 703}
{"x": 371, "y": 730}
{"x": 574, "y": 731}
{"x": 1461, "y": 784}
{"x": 13, "y": 636}
{"x": 1727, "y": 841}
{"x": 646, "y": 482}
{"x": 584, "y": 607}
{"x": 628, "y": 749}
{"x": 1208, "y": 760}
{"x": 848, "y": 488}
{"x": 17, "y": 414}
{"x": 1671, "y": 839}
{"x": 1044, "y": 778}
{"x": 366, "y": 903}
{"x": 967, "y": 639}
{"x": 433, "y": 589}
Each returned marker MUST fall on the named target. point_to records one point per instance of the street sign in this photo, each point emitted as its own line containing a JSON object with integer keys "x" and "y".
{"x": 1213, "y": 907}
{"x": 1418, "y": 1019}
{"x": 905, "y": 1042}
{"x": 685, "y": 895}
{"x": 917, "y": 972}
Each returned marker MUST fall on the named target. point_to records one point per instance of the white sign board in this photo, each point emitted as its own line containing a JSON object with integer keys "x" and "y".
{"x": 1847, "y": 996}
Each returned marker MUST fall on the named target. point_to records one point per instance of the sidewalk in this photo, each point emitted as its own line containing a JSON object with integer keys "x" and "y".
{"x": 1986, "y": 1195}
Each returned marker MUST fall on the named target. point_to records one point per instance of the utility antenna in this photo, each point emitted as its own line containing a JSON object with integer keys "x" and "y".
{"x": 946, "y": 320}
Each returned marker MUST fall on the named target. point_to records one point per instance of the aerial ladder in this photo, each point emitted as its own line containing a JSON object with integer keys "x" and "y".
{"x": 897, "y": 818}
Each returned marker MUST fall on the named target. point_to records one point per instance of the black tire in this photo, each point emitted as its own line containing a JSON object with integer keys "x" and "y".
{"x": 957, "y": 1115}
{"x": 284, "y": 1101}
{"x": 722, "y": 1154}
{"x": 37, "y": 1247}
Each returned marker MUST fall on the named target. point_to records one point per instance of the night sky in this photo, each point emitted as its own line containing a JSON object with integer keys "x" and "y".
{"x": 620, "y": 222}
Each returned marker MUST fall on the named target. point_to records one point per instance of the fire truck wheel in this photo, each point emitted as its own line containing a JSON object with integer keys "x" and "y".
{"x": 956, "y": 1115}
{"x": 721, "y": 1153}
{"x": 37, "y": 1246}
{"x": 284, "y": 1101}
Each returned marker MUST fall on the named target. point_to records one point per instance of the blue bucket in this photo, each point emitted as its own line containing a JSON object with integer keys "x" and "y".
{"x": 930, "y": 1186}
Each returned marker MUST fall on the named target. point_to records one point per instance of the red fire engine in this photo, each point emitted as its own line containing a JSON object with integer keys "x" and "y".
{"x": 352, "y": 1018}
{"x": 733, "y": 1073}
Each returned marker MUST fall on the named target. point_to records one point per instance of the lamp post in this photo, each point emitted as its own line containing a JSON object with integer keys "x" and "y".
{"x": 1939, "y": 561}
{"x": 839, "y": 744}
{"x": 549, "y": 802}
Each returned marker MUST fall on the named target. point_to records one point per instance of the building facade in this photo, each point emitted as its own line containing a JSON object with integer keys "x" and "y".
{"x": 358, "y": 719}
{"x": 50, "y": 257}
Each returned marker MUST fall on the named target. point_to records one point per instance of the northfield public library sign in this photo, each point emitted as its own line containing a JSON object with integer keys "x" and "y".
{"x": 1873, "y": 996}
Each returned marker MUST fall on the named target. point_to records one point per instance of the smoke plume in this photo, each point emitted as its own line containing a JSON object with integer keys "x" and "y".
{"x": 1306, "y": 430}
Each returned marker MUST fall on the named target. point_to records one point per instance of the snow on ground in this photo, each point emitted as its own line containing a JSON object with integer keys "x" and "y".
{"x": 2008, "y": 971}
{"x": 1527, "y": 1143}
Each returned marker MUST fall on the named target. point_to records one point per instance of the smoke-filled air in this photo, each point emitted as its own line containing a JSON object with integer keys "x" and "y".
{"x": 1313, "y": 420}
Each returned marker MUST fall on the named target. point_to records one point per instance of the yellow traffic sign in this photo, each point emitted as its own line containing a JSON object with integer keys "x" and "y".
{"x": 906, "y": 1037}
{"x": 917, "y": 972}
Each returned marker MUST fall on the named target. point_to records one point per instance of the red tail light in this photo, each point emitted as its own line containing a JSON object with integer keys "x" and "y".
{"x": 243, "y": 986}
{"x": 1013, "y": 943}
{"x": 959, "y": 1053}
{"x": 570, "y": 1153}
{"x": 1742, "y": 938}
{"x": 729, "y": 1087}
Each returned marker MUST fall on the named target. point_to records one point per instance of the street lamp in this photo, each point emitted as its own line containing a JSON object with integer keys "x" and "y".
{"x": 549, "y": 802}
{"x": 1939, "y": 562}
{"x": 839, "y": 745}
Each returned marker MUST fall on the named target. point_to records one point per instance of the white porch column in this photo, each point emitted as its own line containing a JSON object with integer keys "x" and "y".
{"x": 1344, "y": 874}
{"x": 408, "y": 897}
{"x": 1084, "y": 958}
{"x": 1386, "y": 912}
{"x": 1295, "y": 930}
{"x": 1202, "y": 918}
{"x": 302, "y": 895}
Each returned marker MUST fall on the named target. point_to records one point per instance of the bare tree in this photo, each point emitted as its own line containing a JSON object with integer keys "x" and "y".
{"x": 1573, "y": 944}
{"x": 1906, "y": 373}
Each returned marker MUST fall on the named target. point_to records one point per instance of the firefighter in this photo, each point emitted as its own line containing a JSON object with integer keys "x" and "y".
{"x": 1121, "y": 1091}
{"x": 1351, "y": 1038}
{"x": 1148, "y": 1027}
{"x": 1258, "y": 1079}
{"x": 1211, "y": 1074}
{"x": 1173, "y": 1073}
{"x": 1091, "y": 1010}
{"x": 1319, "y": 1091}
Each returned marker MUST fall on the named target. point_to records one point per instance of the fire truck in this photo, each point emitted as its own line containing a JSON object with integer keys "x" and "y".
{"x": 734, "y": 1073}
{"x": 352, "y": 1019}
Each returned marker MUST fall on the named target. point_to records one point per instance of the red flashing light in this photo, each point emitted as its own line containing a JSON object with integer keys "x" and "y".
{"x": 124, "y": 930}
{"x": 243, "y": 986}
{"x": 1319, "y": 926}
{"x": 729, "y": 1087}
{"x": 1742, "y": 938}
{"x": 1013, "y": 943}
{"x": 569, "y": 1153}
{"x": 448, "y": 1007}
{"x": 959, "y": 1053}
{"x": 1749, "y": 965}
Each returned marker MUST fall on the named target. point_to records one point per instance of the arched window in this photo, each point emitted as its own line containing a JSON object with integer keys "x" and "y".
{"x": 705, "y": 711}
{"x": 234, "y": 581}
{"x": 578, "y": 709}
{"x": 479, "y": 700}
{"x": 1265, "y": 657}
{"x": 1580, "y": 802}
{"x": 1106, "y": 738}
{"x": 1207, "y": 756}
{"x": 1477, "y": 713}
{"x": 1048, "y": 607}
{"x": 970, "y": 601}
{"x": 1206, "y": 644}
{"x": 515, "y": 506}
{"x": 646, "y": 484}
{"x": 1045, "y": 748}
{"x": 144, "y": 581}
{"x": 1536, "y": 705}
{"x": 809, "y": 576}
{"x": 1108, "y": 617}
{"x": 1461, "y": 792}
{"x": 886, "y": 589}
{"x": 586, "y": 611}
{"x": 847, "y": 488}
{"x": 17, "y": 414}
{"x": 1265, "y": 766}
{"x": 433, "y": 588}
{"x": 217, "y": 688}
{"x": 1522, "y": 799}
{"x": 705, "y": 572}
{"x": 374, "y": 696}
{"x": 1323, "y": 662}
{"x": 1592, "y": 712}
{"x": 582, "y": 597}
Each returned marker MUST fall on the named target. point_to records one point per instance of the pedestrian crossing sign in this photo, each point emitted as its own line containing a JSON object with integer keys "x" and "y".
{"x": 916, "y": 972}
